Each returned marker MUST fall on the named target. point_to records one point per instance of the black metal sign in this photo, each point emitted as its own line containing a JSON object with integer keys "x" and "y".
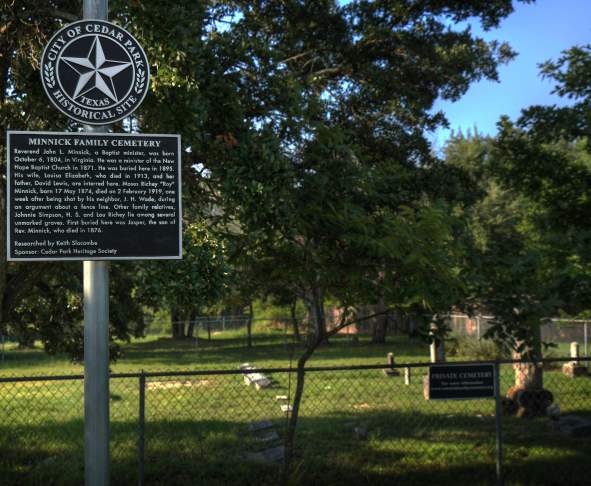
{"x": 82, "y": 196}
{"x": 461, "y": 381}
{"x": 95, "y": 72}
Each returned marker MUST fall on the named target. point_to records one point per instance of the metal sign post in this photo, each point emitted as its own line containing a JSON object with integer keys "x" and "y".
{"x": 498, "y": 425}
{"x": 96, "y": 367}
{"x": 96, "y": 73}
{"x": 96, "y": 339}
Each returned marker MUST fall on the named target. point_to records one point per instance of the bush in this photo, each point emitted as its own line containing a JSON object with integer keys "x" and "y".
{"x": 551, "y": 353}
{"x": 471, "y": 348}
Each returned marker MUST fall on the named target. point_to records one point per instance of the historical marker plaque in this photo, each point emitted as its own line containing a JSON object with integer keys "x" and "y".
{"x": 95, "y": 72}
{"x": 83, "y": 196}
{"x": 461, "y": 381}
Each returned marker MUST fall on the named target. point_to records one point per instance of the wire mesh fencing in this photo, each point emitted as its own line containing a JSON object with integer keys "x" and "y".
{"x": 356, "y": 425}
{"x": 559, "y": 332}
{"x": 206, "y": 329}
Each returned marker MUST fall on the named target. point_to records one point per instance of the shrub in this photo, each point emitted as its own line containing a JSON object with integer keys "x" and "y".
{"x": 471, "y": 348}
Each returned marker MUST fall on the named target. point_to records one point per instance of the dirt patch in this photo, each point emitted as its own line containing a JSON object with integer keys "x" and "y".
{"x": 166, "y": 385}
{"x": 361, "y": 406}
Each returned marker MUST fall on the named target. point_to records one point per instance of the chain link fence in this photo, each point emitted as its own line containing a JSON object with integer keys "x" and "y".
{"x": 560, "y": 332}
{"x": 357, "y": 425}
{"x": 565, "y": 331}
{"x": 208, "y": 328}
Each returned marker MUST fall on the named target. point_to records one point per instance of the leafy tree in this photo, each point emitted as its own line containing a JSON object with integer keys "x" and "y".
{"x": 355, "y": 100}
{"x": 50, "y": 310}
{"x": 502, "y": 258}
{"x": 305, "y": 120}
{"x": 337, "y": 195}
{"x": 548, "y": 151}
{"x": 187, "y": 286}
{"x": 519, "y": 266}
{"x": 25, "y": 27}
{"x": 545, "y": 157}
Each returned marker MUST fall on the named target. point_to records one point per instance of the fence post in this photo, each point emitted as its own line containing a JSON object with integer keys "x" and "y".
{"x": 499, "y": 437}
{"x": 586, "y": 339}
{"x": 141, "y": 427}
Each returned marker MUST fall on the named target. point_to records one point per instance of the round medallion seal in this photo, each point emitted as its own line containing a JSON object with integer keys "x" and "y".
{"x": 95, "y": 72}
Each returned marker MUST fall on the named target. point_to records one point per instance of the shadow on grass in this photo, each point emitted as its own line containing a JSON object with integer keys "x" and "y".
{"x": 28, "y": 357}
{"x": 400, "y": 448}
{"x": 220, "y": 352}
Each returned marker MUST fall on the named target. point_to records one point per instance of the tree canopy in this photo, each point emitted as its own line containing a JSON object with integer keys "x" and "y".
{"x": 305, "y": 151}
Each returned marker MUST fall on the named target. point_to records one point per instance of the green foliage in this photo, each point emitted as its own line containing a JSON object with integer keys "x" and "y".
{"x": 51, "y": 310}
{"x": 186, "y": 285}
{"x": 318, "y": 162}
{"x": 528, "y": 230}
{"x": 304, "y": 127}
{"x": 506, "y": 266}
{"x": 546, "y": 158}
{"x": 471, "y": 348}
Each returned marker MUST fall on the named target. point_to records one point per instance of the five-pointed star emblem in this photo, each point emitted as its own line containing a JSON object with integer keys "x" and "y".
{"x": 96, "y": 73}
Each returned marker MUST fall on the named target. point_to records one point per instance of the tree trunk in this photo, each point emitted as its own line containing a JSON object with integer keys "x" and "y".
{"x": 25, "y": 340}
{"x": 299, "y": 392}
{"x": 191, "y": 329}
{"x": 294, "y": 322}
{"x": 319, "y": 316}
{"x": 178, "y": 324}
{"x": 297, "y": 399}
{"x": 530, "y": 375}
{"x": 380, "y": 326}
{"x": 249, "y": 326}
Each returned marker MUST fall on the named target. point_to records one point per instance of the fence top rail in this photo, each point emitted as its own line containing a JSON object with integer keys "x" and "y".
{"x": 14, "y": 379}
{"x": 311, "y": 369}
{"x": 575, "y": 321}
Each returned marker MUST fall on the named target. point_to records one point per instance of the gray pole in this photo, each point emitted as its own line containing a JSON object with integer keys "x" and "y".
{"x": 585, "y": 336}
{"x": 96, "y": 339}
{"x": 95, "y": 9}
{"x": 141, "y": 432}
{"x": 96, "y": 373}
{"x": 498, "y": 425}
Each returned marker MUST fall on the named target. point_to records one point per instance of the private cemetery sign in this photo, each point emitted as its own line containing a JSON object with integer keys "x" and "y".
{"x": 85, "y": 196}
{"x": 449, "y": 381}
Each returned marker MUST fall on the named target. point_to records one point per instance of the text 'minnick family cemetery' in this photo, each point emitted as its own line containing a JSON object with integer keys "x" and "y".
{"x": 103, "y": 196}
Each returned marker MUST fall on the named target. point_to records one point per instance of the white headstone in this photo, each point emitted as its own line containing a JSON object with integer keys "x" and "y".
{"x": 574, "y": 349}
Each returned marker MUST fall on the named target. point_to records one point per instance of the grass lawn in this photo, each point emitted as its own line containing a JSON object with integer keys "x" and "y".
{"x": 197, "y": 428}
{"x": 224, "y": 351}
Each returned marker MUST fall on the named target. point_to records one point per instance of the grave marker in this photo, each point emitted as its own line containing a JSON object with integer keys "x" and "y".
{"x": 574, "y": 368}
{"x": 391, "y": 371}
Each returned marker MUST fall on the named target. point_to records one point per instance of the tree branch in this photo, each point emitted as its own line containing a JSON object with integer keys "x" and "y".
{"x": 297, "y": 56}
{"x": 60, "y": 14}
